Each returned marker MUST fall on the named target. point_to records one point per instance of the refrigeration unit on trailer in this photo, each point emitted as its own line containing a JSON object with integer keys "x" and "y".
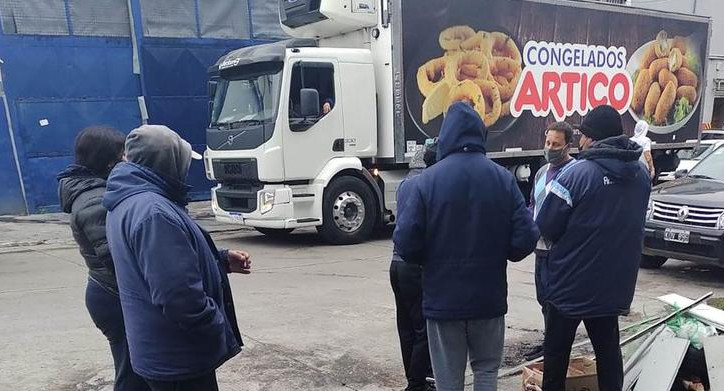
{"x": 317, "y": 131}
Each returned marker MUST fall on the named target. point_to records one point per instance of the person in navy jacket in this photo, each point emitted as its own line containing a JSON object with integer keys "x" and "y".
{"x": 462, "y": 220}
{"x": 175, "y": 294}
{"x": 594, "y": 217}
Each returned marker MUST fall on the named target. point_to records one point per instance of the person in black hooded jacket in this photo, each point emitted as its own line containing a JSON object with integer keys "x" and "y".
{"x": 463, "y": 219}
{"x": 81, "y": 188}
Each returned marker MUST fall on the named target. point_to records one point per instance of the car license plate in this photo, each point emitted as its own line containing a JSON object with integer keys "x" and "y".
{"x": 676, "y": 235}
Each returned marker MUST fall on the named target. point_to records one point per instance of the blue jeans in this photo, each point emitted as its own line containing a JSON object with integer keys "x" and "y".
{"x": 453, "y": 341}
{"x": 105, "y": 309}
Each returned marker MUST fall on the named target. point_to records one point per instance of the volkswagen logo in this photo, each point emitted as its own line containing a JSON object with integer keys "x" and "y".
{"x": 683, "y": 213}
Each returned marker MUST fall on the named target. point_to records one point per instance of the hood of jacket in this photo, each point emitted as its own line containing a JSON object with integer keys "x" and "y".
{"x": 461, "y": 131}
{"x": 74, "y": 181}
{"x": 641, "y": 130}
{"x": 618, "y": 157}
{"x": 128, "y": 179}
{"x": 160, "y": 149}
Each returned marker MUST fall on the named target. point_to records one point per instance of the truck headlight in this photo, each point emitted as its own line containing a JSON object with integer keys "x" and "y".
{"x": 650, "y": 210}
{"x": 266, "y": 201}
{"x": 720, "y": 222}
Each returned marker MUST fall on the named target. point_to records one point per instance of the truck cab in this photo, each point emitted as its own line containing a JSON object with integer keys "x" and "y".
{"x": 293, "y": 136}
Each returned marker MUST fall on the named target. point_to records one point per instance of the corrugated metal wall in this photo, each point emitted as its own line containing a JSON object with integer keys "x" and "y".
{"x": 69, "y": 64}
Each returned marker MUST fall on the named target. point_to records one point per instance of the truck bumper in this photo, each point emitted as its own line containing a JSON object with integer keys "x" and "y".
{"x": 248, "y": 208}
{"x": 705, "y": 245}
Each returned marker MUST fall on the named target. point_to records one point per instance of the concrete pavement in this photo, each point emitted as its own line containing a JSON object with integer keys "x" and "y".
{"x": 314, "y": 317}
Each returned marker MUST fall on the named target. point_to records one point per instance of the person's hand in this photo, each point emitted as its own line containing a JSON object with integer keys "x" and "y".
{"x": 653, "y": 175}
{"x": 239, "y": 262}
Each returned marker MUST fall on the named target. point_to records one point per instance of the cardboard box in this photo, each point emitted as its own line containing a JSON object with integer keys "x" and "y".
{"x": 581, "y": 376}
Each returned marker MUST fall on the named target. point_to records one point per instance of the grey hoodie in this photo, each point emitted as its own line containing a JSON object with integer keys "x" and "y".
{"x": 160, "y": 149}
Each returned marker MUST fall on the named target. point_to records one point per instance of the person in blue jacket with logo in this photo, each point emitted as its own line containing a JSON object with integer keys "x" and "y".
{"x": 593, "y": 217}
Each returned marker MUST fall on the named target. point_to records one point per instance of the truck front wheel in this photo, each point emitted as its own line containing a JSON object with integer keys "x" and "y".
{"x": 349, "y": 211}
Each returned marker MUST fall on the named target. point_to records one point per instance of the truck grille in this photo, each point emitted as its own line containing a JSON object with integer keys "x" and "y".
{"x": 696, "y": 216}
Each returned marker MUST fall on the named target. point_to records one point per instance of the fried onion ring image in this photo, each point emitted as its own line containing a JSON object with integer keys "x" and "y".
{"x": 467, "y": 66}
{"x": 661, "y": 45}
{"x": 481, "y": 42}
{"x": 675, "y": 59}
{"x": 493, "y": 104}
{"x": 469, "y": 92}
{"x": 665, "y": 76}
{"x": 431, "y": 74}
{"x": 652, "y": 98}
{"x": 641, "y": 88}
{"x": 452, "y": 37}
{"x": 687, "y": 77}
{"x": 666, "y": 102}
{"x": 504, "y": 46}
{"x": 657, "y": 66}
{"x": 505, "y": 109}
{"x": 680, "y": 43}
{"x": 506, "y": 72}
{"x": 648, "y": 57}
{"x": 687, "y": 92}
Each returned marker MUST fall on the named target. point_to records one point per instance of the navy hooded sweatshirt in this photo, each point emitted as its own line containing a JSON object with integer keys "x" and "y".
{"x": 171, "y": 286}
{"x": 594, "y": 215}
{"x": 462, "y": 220}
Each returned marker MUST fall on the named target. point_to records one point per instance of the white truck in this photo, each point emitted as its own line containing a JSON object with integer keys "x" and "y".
{"x": 317, "y": 131}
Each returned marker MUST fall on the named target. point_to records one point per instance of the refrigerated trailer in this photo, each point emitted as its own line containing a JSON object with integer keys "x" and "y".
{"x": 318, "y": 130}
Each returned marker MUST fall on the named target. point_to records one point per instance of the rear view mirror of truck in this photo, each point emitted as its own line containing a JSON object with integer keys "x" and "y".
{"x": 309, "y": 98}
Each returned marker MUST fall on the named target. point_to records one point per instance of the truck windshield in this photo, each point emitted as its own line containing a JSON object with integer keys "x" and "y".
{"x": 246, "y": 99}
{"x": 711, "y": 167}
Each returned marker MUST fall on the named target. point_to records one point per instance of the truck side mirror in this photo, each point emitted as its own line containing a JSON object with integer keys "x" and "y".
{"x": 680, "y": 173}
{"x": 212, "y": 86}
{"x": 309, "y": 102}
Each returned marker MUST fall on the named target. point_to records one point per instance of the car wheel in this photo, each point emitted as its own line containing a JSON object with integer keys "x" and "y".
{"x": 349, "y": 211}
{"x": 275, "y": 232}
{"x": 652, "y": 261}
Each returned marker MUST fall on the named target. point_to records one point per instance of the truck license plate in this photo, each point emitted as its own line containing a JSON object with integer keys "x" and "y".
{"x": 676, "y": 235}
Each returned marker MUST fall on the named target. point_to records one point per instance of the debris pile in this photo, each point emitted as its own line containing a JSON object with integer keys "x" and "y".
{"x": 678, "y": 351}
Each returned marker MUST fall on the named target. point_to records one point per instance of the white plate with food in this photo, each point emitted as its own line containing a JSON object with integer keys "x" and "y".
{"x": 666, "y": 73}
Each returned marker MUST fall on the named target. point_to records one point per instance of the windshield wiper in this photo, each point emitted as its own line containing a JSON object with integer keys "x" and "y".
{"x": 699, "y": 176}
{"x": 239, "y": 124}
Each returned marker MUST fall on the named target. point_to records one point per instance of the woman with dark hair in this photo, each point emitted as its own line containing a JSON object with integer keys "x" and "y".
{"x": 81, "y": 188}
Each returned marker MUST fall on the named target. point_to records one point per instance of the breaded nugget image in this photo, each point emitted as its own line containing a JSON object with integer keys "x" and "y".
{"x": 666, "y": 102}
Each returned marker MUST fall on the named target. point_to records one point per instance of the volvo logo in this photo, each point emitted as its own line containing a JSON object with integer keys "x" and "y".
{"x": 683, "y": 213}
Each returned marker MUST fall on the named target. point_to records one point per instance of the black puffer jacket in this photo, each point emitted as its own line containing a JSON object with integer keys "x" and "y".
{"x": 81, "y": 193}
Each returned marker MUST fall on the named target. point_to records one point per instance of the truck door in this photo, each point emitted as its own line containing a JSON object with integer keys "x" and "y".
{"x": 310, "y": 142}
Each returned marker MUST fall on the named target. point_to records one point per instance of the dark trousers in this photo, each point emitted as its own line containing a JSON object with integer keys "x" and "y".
{"x": 560, "y": 333}
{"x": 202, "y": 383}
{"x": 406, "y": 282}
{"x": 541, "y": 272}
{"x": 105, "y": 309}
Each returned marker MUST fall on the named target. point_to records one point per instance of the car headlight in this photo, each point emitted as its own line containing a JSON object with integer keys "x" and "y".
{"x": 650, "y": 210}
{"x": 720, "y": 222}
{"x": 266, "y": 201}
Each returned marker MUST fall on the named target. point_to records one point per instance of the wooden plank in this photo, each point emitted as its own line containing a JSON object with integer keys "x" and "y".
{"x": 714, "y": 353}
{"x": 662, "y": 364}
{"x": 703, "y": 312}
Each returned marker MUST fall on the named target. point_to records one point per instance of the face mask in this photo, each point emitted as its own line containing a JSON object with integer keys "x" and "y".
{"x": 554, "y": 156}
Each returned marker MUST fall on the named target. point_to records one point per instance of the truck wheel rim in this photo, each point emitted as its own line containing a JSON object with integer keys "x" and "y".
{"x": 348, "y": 211}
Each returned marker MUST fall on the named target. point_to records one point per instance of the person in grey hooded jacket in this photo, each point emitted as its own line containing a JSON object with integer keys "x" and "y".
{"x": 180, "y": 318}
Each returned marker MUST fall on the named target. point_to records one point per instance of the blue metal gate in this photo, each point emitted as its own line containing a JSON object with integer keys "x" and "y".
{"x": 75, "y": 63}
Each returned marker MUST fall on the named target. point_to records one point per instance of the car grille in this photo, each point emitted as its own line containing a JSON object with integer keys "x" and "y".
{"x": 696, "y": 216}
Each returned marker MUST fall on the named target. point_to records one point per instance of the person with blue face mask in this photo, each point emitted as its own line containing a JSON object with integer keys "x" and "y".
{"x": 559, "y": 137}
